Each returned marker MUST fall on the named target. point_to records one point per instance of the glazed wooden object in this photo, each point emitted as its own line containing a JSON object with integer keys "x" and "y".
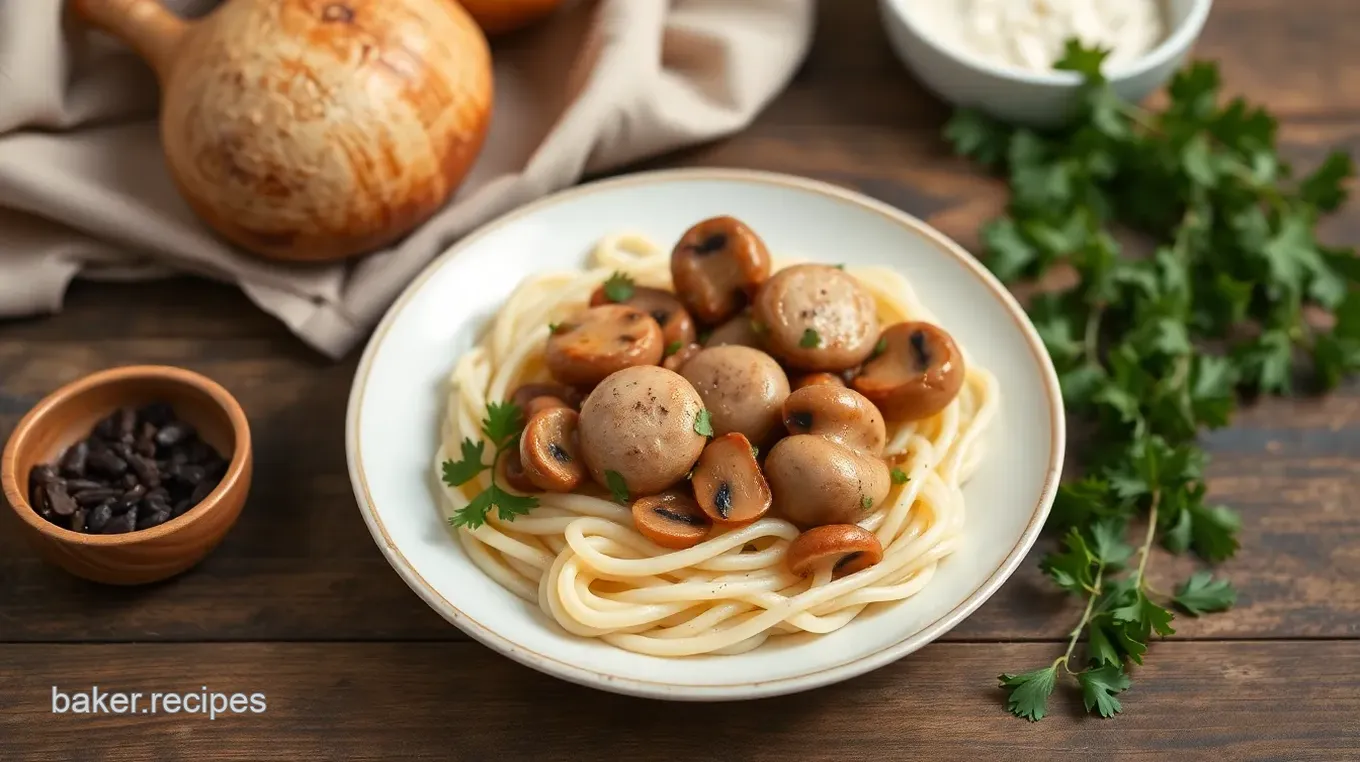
{"x": 313, "y": 129}
{"x": 148, "y": 555}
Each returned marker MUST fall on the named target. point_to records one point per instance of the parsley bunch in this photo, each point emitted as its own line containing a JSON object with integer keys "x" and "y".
{"x": 502, "y": 427}
{"x": 1151, "y": 349}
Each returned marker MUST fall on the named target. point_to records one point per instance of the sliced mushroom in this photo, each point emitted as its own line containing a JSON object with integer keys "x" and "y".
{"x": 665, "y": 309}
{"x": 510, "y": 471}
{"x": 743, "y": 388}
{"x": 639, "y": 424}
{"x": 741, "y": 330}
{"x": 549, "y": 451}
{"x": 817, "y": 317}
{"x": 602, "y": 340}
{"x": 728, "y": 484}
{"x": 671, "y": 519}
{"x": 676, "y": 360}
{"x": 837, "y": 413}
{"x": 813, "y": 379}
{"x": 846, "y": 547}
{"x": 918, "y": 373}
{"x": 828, "y": 471}
{"x": 526, "y": 393}
{"x": 543, "y": 403}
{"x": 717, "y": 266}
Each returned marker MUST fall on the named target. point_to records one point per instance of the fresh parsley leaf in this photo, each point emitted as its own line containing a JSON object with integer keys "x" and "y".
{"x": 473, "y": 514}
{"x": 1145, "y": 616}
{"x": 1083, "y": 60}
{"x": 619, "y": 287}
{"x": 1325, "y": 189}
{"x": 866, "y": 502}
{"x": 880, "y": 347}
{"x": 673, "y": 347}
{"x": 1213, "y": 532}
{"x": 1099, "y": 686}
{"x": 1108, "y": 544}
{"x": 617, "y": 486}
{"x": 1009, "y": 255}
{"x": 839, "y": 266}
{"x": 977, "y": 136}
{"x": 1073, "y": 569}
{"x": 703, "y": 423}
{"x": 554, "y": 327}
{"x": 1099, "y": 646}
{"x": 1027, "y": 693}
{"x": 898, "y": 476}
{"x": 503, "y": 421}
{"x": 1202, "y": 594}
{"x": 810, "y": 339}
{"x": 509, "y": 505}
{"x": 458, "y": 473}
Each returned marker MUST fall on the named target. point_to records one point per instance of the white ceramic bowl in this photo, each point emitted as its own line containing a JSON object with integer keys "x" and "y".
{"x": 1014, "y": 95}
{"x": 397, "y": 401}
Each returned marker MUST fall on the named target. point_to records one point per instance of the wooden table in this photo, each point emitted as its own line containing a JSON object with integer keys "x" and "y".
{"x": 299, "y": 605}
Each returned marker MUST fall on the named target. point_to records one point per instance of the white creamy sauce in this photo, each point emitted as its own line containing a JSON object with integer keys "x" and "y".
{"x": 1030, "y": 34}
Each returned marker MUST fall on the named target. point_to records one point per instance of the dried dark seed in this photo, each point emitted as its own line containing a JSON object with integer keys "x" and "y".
{"x": 201, "y": 491}
{"x": 131, "y": 498}
{"x": 122, "y": 450}
{"x": 157, "y": 493}
{"x": 146, "y": 443}
{"x": 181, "y": 507}
{"x": 99, "y": 516}
{"x": 157, "y": 503}
{"x": 173, "y": 433}
{"x": 122, "y": 523}
{"x": 108, "y": 463}
{"x": 107, "y": 428}
{"x": 78, "y": 520}
{"x": 146, "y": 471}
{"x": 80, "y": 485}
{"x": 178, "y": 458}
{"x": 157, "y": 414}
{"x": 95, "y": 496}
{"x": 191, "y": 475}
{"x": 152, "y": 519}
{"x": 73, "y": 462}
{"x": 216, "y": 467}
{"x": 127, "y": 424}
{"x": 37, "y": 497}
{"x": 130, "y": 480}
{"x": 41, "y": 475}
{"x": 199, "y": 452}
{"x": 59, "y": 499}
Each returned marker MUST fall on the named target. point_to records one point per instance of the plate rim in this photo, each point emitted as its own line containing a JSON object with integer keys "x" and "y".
{"x": 749, "y": 689}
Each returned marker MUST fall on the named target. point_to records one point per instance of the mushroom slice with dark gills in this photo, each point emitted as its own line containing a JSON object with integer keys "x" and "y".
{"x": 728, "y": 484}
{"x": 639, "y": 423}
{"x": 918, "y": 373}
{"x": 829, "y": 470}
{"x": 602, "y": 340}
{"x": 665, "y": 309}
{"x": 817, "y": 317}
{"x": 671, "y": 519}
{"x": 846, "y": 547}
{"x": 717, "y": 266}
{"x": 549, "y": 450}
{"x": 743, "y": 388}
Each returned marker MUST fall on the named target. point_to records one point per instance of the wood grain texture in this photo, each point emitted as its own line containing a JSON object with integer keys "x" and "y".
{"x": 1288, "y": 700}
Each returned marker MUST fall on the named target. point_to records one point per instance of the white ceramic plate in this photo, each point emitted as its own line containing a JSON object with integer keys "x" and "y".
{"x": 397, "y": 401}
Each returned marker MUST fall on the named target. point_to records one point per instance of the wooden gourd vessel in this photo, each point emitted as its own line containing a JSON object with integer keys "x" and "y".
{"x": 313, "y": 129}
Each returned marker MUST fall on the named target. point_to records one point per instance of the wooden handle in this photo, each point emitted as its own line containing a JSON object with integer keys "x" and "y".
{"x": 152, "y": 30}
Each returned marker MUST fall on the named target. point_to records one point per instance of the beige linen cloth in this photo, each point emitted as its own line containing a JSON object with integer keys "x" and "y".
{"x": 84, "y": 189}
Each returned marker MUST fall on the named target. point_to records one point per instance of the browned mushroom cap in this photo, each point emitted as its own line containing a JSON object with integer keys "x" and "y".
{"x": 602, "y": 340}
{"x": 548, "y": 450}
{"x": 817, "y": 481}
{"x": 527, "y": 392}
{"x": 542, "y": 403}
{"x": 665, "y": 309}
{"x": 510, "y": 471}
{"x": 743, "y": 388}
{"x": 817, "y": 317}
{"x": 813, "y": 379}
{"x": 846, "y": 547}
{"x": 740, "y": 330}
{"x": 836, "y": 413}
{"x": 728, "y": 484}
{"x": 676, "y": 360}
{"x": 639, "y": 424}
{"x": 672, "y": 520}
{"x": 918, "y": 373}
{"x": 717, "y": 266}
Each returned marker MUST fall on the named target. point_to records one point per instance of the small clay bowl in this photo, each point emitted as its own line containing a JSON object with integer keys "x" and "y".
{"x": 70, "y": 413}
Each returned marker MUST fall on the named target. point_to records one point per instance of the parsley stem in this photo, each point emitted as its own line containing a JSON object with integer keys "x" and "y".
{"x": 1066, "y": 658}
{"x": 1092, "y": 338}
{"x": 1145, "y": 551}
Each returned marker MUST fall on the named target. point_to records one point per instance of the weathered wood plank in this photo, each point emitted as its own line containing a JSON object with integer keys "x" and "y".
{"x": 1285, "y": 700}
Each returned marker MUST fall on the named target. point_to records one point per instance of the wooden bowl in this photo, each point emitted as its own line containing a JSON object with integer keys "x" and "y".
{"x": 70, "y": 413}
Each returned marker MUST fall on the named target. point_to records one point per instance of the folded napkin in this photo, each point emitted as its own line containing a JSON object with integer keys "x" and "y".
{"x": 84, "y": 189}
